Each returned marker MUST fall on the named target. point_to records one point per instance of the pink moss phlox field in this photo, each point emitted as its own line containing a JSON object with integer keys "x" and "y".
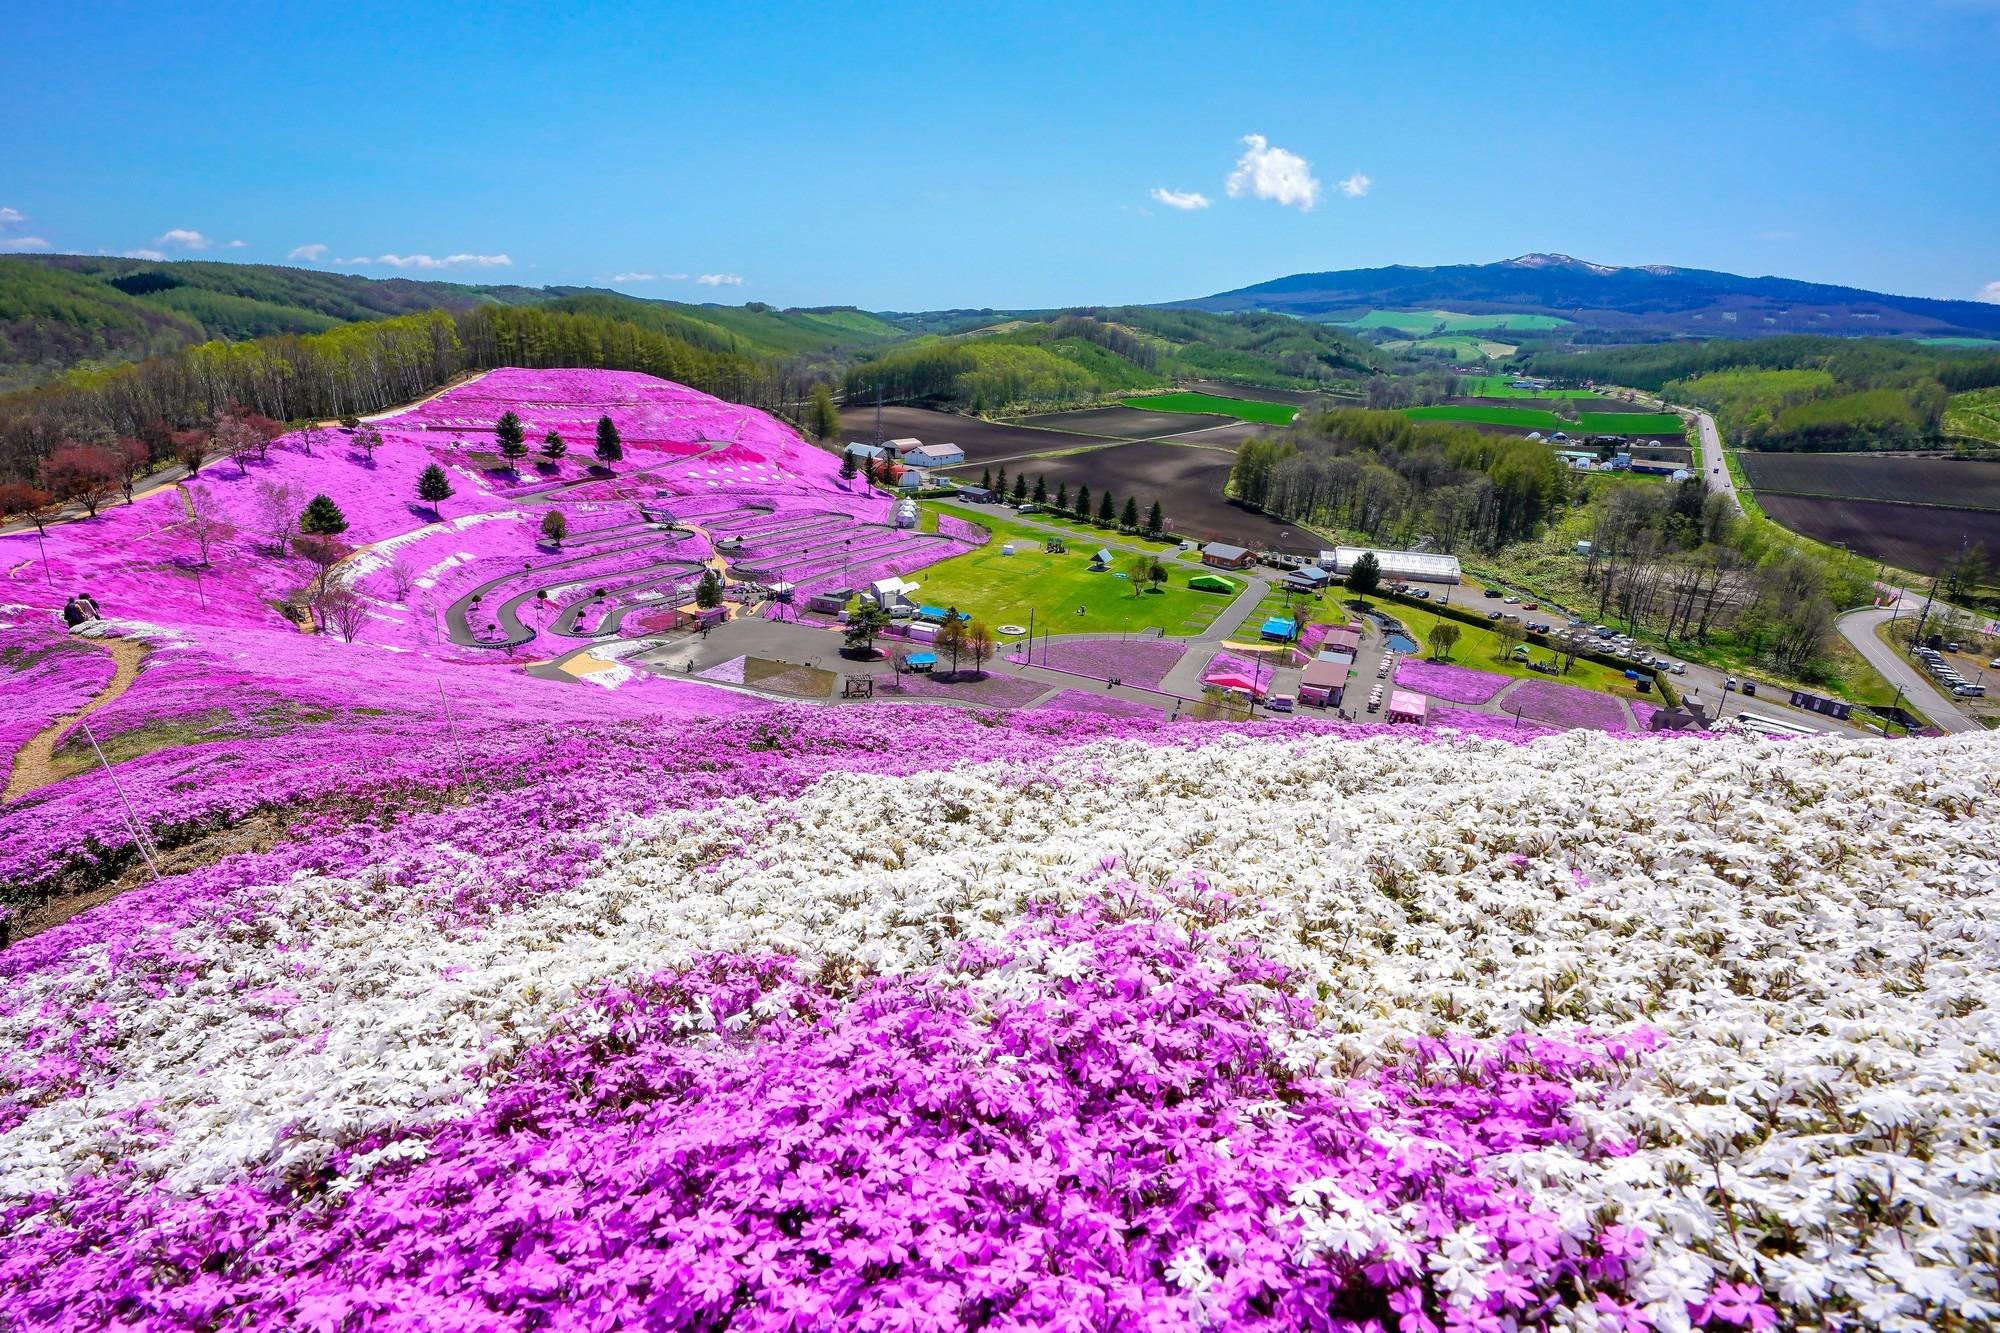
{"x": 45, "y": 674}
{"x": 1567, "y": 706}
{"x": 683, "y": 449}
{"x": 1141, "y": 662}
{"x": 734, "y": 1145}
{"x": 1082, "y": 701}
{"x": 1454, "y": 684}
{"x": 1226, "y": 663}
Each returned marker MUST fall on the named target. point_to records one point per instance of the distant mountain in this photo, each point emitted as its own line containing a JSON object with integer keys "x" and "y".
{"x": 1647, "y": 298}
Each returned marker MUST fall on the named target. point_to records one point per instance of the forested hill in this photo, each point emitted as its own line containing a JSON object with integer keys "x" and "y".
{"x": 60, "y": 312}
{"x": 1652, "y": 297}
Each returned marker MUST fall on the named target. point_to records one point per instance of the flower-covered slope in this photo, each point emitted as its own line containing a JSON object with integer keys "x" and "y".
{"x": 827, "y": 1018}
{"x": 682, "y": 449}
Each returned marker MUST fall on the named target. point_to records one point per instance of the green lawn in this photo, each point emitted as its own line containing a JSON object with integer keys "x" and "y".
{"x": 1269, "y": 414}
{"x": 1461, "y": 347}
{"x": 1632, "y": 423}
{"x": 1479, "y": 648}
{"x": 1502, "y": 386}
{"x": 1533, "y": 418}
{"x": 1002, "y": 589}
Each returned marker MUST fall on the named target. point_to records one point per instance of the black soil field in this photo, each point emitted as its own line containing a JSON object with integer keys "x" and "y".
{"x": 1952, "y": 482}
{"x": 1918, "y": 538}
{"x": 1187, "y": 482}
{"x": 1123, "y": 423}
{"x": 983, "y": 441}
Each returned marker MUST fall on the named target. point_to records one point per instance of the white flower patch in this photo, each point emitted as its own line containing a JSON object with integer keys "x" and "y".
{"x": 1812, "y": 926}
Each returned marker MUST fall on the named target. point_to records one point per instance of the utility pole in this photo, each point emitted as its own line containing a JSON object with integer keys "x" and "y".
{"x": 1917, "y": 638}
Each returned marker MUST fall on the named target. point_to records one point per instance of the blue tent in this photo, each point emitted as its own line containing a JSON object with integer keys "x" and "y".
{"x": 1277, "y": 627}
{"x": 920, "y": 661}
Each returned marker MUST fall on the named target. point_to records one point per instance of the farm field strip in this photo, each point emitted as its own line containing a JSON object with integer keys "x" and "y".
{"x": 1944, "y": 482}
{"x": 1918, "y": 538}
{"x": 1449, "y": 321}
{"x": 1270, "y": 414}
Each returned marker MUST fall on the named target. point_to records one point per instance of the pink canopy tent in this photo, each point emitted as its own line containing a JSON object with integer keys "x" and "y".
{"x": 1232, "y": 681}
{"x": 1406, "y": 707}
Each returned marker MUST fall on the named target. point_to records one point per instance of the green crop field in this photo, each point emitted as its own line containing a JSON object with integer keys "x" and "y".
{"x": 1269, "y": 414}
{"x": 1960, "y": 342}
{"x": 1447, "y": 321}
{"x": 1502, "y": 386}
{"x": 1534, "y": 418}
{"x": 1001, "y": 589}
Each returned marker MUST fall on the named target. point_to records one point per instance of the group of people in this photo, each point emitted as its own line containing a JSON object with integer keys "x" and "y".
{"x": 81, "y": 610}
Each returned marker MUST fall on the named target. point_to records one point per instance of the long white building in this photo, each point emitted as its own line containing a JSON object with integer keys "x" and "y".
{"x": 1414, "y": 566}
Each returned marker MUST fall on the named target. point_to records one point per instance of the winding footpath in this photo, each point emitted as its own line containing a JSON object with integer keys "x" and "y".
{"x": 34, "y": 765}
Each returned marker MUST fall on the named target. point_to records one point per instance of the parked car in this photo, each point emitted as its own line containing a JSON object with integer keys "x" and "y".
{"x": 1532, "y": 606}
{"x": 1494, "y": 592}
{"x": 1678, "y": 668}
{"x": 1511, "y": 601}
{"x": 1492, "y": 615}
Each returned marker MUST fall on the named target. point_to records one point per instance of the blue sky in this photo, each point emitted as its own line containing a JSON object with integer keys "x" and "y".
{"x": 921, "y": 156}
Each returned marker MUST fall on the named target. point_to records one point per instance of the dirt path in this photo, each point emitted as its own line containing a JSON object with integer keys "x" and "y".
{"x": 34, "y": 766}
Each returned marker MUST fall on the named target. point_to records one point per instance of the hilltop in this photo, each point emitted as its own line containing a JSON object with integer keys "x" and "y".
{"x": 1632, "y": 301}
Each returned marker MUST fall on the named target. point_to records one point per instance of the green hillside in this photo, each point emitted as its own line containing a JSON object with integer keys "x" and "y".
{"x": 1038, "y": 361}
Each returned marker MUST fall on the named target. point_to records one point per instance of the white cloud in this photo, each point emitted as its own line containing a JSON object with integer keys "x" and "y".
{"x": 449, "y": 261}
{"x": 719, "y": 280}
{"x": 10, "y": 216}
{"x": 236, "y": 245}
{"x": 181, "y": 238}
{"x": 1356, "y": 185}
{"x": 1990, "y": 292}
{"x": 23, "y": 243}
{"x": 1185, "y": 200}
{"x": 1264, "y": 172}
{"x": 633, "y": 277}
{"x": 144, "y": 254}
{"x": 307, "y": 252}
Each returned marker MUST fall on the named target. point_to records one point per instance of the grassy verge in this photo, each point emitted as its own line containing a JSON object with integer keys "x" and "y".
{"x": 1243, "y": 409}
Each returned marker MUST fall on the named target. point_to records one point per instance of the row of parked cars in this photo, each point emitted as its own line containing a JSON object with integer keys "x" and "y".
{"x": 1947, "y": 675}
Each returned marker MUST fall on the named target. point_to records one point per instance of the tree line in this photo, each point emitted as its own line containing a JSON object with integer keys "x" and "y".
{"x": 1398, "y": 480}
{"x": 357, "y": 369}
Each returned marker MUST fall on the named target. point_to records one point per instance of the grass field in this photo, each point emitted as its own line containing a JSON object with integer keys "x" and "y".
{"x": 1479, "y": 649}
{"x": 1448, "y": 321}
{"x": 1459, "y": 346}
{"x": 1633, "y": 423}
{"x": 1975, "y": 415}
{"x": 1502, "y": 386}
{"x": 1002, "y": 589}
{"x": 1270, "y": 414}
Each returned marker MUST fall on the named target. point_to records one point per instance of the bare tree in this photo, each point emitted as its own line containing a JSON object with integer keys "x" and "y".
{"x": 402, "y": 578}
{"x": 207, "y": 526}
{"x": 278, "y": 506}
{"x": 193, "y": 448}
{"x": 341, "y": 609}
{"x": 310, "y": 434}
{"x": 978, "y": 642}
{"x": 86, "y": 473}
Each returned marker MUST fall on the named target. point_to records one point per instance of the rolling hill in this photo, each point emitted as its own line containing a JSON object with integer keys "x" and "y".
{"x": 61, "y": 312}
{"x": 1599, "y": 299}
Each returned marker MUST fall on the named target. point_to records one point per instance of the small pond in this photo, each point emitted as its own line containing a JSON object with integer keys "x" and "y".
{"x": 1392, "y": 629}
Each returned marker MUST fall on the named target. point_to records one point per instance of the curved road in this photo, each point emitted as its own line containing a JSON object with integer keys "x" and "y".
{"x": 1858, "y": 628}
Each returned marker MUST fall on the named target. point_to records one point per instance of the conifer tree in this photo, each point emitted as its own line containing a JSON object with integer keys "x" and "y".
{"x": 1021, "y": 488}
{"x": 1156, "y": 520}
{"x": 433, "y": 488}
{"x": 1062, "y": 496}
{"x": 1041, "y": 489}
{"x": 1106, "y": 511}
{"x": 1082, "y": 510}
{"x": 610, "y": 449}
{"x": 322, "y": 518}
{"x": 513, "y": 441}
{"x": 553, "y": 447}
{"x": 1129, "y": 520}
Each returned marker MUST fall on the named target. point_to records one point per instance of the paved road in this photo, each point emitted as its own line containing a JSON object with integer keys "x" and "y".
{"x": 1858, "y": 628}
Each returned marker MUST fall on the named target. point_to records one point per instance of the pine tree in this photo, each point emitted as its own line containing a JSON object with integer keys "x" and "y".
{"x": 986, "y": 480}
{"x": 322, "y": 518}
{"x": 1156, "y": 520}
{"x": 822, "y": 417}
{"x": 1021, "y": 488}
{"x": 1106, "y": 512}
{"x": 1062, "y": 496}
{"x": 1129, "y": 520}
{"x": 610, "y": 449}
{"x": 433, "y": 488}
{"x": 1041, "y": 489}
{"x": 847, "y": 467}
{"x": 1000, "y": 484}
{"x": 1082, "y": 510}
{"x": 553, "y": 447}
{"x": 708, "y": 592}
{"x": 513, "y": 442}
